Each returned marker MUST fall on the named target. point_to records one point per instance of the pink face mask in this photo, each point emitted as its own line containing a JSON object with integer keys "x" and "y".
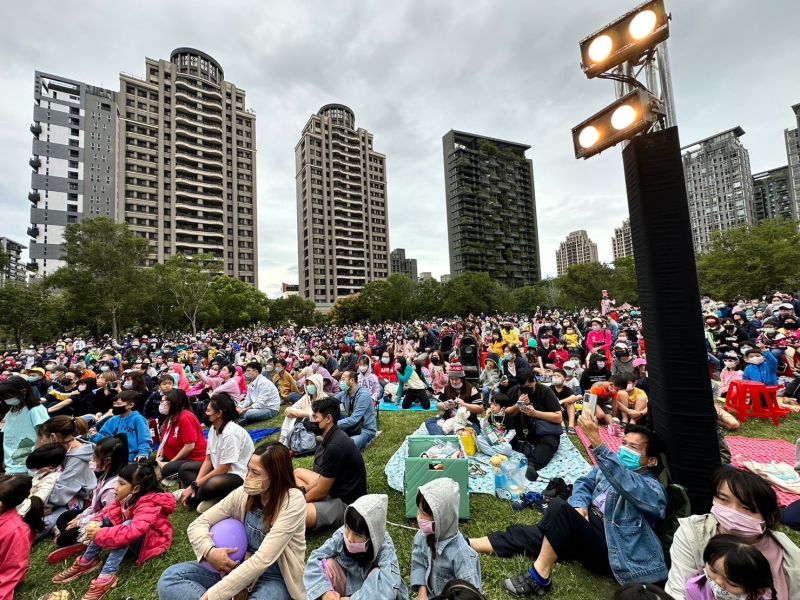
{"x": 737, "y": 523}
{"x": 355, "y": 547}
{"x": 425, "y": 526}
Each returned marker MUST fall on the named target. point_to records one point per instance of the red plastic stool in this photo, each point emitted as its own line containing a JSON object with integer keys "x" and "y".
{"x": 754, "y": 400}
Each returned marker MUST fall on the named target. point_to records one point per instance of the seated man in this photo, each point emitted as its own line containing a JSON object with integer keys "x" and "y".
{"x": 608, "y": 524}
{"x": 358, "y": 410}
{"x": 262, "y": 400}
{"x": 338, "y": 477}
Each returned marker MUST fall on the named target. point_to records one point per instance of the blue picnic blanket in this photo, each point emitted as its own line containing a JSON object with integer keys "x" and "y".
{"x": 392, "y": 406}
{"x": 567, "y": 463}
{"x": 255, "y": 434}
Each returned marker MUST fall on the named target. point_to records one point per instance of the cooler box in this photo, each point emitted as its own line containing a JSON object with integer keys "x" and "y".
{"x": 420, "y": 471}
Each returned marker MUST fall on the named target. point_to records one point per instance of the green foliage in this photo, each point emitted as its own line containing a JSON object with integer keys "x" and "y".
{"x": 233, "y": 303}
{"x": 30, "y": 311}
{"x": 188, "y": 279}
{"x": 474, "y": 293}
{"x": 582, "y": 285}
{"x": 750, "y": 261}
{"x": 292, "y": 309}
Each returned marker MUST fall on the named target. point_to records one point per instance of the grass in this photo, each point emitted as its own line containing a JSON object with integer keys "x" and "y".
{"x": 488, "y": 514}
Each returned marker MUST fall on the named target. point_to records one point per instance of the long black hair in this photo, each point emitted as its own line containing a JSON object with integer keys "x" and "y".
{"x": 423, "y": 505}
{"x": 115, "y": 448}
{"x": 356, "y": 523}
{"x": 16, "y": 387}
{"x": 744, "y": 564}
{"x": 178, "y": 401}
{"x": 143, "y": 475}
{"x": 223, "y": 403}
{"x": 13, "y": 491}
{"x": 750, "y": 490}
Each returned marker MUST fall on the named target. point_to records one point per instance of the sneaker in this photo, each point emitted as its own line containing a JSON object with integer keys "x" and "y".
{"x": 527, "y": 500}
{"x": 526, "y": 586}
{"x": 100, "y": 587}
{"x": 77, "y": 569}
{"x": 178, "y": 494}
{"x": 204, "y": 506}
{"x": 571, "y": 430}
{"x": 65, "y": 553}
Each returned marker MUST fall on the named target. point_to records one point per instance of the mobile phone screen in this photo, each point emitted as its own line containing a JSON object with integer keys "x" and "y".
{"x": 590, "y": 404}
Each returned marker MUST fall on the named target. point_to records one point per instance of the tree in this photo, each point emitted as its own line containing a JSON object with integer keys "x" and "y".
{"x": 426, "y": 299}
{"x": 30, "y": 311}
{"x": 234, "y": 303}
{"x": 474, "y": 293}
{"x": 188, "y": 279}
{"x": 624, "y": 286}
{"x": 292, "y": 309}
{"x": 582, "y": 284}
{"x": 751, "y": 260}
{"x": 103, "y": 267}
{"x": 348, "y": 309}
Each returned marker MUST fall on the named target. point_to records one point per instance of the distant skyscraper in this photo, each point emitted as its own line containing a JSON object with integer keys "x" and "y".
{"x": 15, "y": 270}
{"x": 444, "y": 278}
{"x": 577, "y": 249}
{"x": 187, "y": 147}
{"x": 425, "y": 276}
{"x": 403, "y": 265}
{"x": 74, "y": 162}
{"x": 793, "y": 156}
{"x": 719, "y": 185}
{"x": 772, "y": 197}
{"x": 621, "y": 243}
{"x": 342, "y": 228}
{"x": 491, "y": 208}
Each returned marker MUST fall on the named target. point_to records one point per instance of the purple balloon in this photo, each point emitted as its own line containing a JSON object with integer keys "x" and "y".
{"x": 229, "y": 533}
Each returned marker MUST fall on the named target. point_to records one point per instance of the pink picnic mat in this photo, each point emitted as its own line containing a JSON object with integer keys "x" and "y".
{"x": 742, "y": 449}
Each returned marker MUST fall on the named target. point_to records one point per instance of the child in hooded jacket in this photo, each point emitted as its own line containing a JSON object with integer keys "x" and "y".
{"x": 440, "y": 552}
{"x": 16, "y": 533}
{"x": 359, "y": 560}
{"x": 138, "y": 520}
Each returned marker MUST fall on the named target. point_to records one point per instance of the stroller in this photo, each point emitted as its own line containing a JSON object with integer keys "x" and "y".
{"x": 469, "y": 356}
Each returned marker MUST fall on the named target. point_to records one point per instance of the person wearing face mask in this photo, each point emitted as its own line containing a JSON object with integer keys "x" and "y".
{"x": 367, "y": 379}
{"x": 608, "y": 524}
{"x": 385, "y": 372}
{"x": 182, "y": 437}
{"x": 630, "y": 403}
{"x": 456, "y": 394}
{"x": 567, "y": 397}
{"x": 729, "y": 373}
{"x": 730, "y": 339}
{"x": 24, "y": 416}
{"x": 287, "y": 386}
{"x": 623, "y": 359}
{"x": 761, "y": 367}
{"x": 273, "y": 511}
{"x": 302, "y": 408}
{"x": 746, "y": 506}
{"x": 318, "y": 367}
{"x": 598, "y": 339}
{"x": 59, "y": 402}
{"x": 338, "y": 477}
{"x": 358, "y": 411}
{"x": 596, "y": 372}
{"x": 128, "y": 421}
{"x": 359, "y": 559}
{"x": 262, "y": 400}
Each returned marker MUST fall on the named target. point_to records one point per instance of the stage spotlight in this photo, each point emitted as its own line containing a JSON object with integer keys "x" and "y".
{"x": 625, "y": 39}
{"x": 634, "y": 113}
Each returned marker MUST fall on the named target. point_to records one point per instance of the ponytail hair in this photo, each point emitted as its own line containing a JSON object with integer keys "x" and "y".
{"x": 142, "y": 475}
{"x": 14, "y": 490}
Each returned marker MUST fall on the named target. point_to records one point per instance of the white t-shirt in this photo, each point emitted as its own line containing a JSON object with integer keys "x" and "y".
{"x": 233, "y": 447}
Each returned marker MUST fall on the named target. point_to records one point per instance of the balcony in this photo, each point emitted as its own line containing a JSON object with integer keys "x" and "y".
{"x": 34, "y": 197}
{"x": 35, "y": 163}
{"x": 33, "y": 231}
{"x": 36, "y": 128}
{"x": 32, "y": 266}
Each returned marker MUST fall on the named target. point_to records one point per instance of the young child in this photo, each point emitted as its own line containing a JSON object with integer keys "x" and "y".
{"x": 494, "y": 437}
{"x": 733, "y": 569}
{"x": 47, "y": 462}
{"x": 440, "y": 553}
{"x": 490, "y": 377}
{"x": 138, "y": 520}
{"x": 572, "y": 339}
{"x": 559, "y": 355}
{"x": 630, "y": 403}
{"x": 16, "y": 534}
{"x": 359, "y": 557}
{"x": 762, "y": 367}
{"x": 109, "y": 458}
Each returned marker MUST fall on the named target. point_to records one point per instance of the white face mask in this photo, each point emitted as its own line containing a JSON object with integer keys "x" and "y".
{"x": 558, "y": 381}
{"x": 719, "y": 592}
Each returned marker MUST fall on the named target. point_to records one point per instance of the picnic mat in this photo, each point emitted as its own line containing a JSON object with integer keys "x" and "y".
{"x": 567, "y": 463}
{"x": 392, "y": 406}
{"x": 255, "y": 434}
{"x": 742, "y": 449}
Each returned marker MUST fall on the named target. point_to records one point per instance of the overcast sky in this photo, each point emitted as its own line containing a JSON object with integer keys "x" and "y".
{"x": 412, "y": 70}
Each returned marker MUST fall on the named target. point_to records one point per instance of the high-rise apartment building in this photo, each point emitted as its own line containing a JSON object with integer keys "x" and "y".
{"x": 772, "y": 198}
{"x": 401, "y": 264}
{"x": 14, "y": 270}
{"x": 187, "y": 162}
{"x": 622, "y": 242}
{"x": 793, "y": 156}
{"x": 577, "y": 249}
{"x": 342, "y": 228}
{"x": 719, "y": 185}
{"x": 74, "y": 162}
{"x": 491, "y": 208}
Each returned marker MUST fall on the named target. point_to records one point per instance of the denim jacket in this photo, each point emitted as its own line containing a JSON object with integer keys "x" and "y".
{"x": 636, "y": 501}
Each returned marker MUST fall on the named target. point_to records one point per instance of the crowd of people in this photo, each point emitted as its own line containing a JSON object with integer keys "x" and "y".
{"x": 103, "y": 440}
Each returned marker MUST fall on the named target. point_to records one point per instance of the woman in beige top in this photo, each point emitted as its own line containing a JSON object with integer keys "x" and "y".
{"x": 273, "y": 512}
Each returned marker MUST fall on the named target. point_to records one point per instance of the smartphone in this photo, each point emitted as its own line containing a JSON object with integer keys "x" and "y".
{"x": 590, "y": 405}
{"x": 110, "y": 386}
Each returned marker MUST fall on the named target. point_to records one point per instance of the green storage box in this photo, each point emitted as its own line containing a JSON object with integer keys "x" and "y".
{"x": 420, "y": 471}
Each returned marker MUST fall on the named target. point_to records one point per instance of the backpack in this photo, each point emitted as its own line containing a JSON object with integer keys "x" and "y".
{"x": 557, "y": 488}
{"x": 678, "y": 507}
{"x": 301, "y": 441}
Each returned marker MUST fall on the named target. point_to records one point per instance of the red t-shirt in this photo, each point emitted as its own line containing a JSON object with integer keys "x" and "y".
{"x": 186, "y": 431}
{"x": 386, "y": 372}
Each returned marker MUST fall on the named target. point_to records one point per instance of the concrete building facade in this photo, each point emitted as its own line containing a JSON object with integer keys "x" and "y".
{"x": 577, "y": 249}
{"x": 622, "y": 243}
{"x": 719, "y": 185}
{"x": 187, "y": 162}
{"x": 73, "y": 160}
{"x": 401, "y": 264}
{"x": 342, "y": 211}
{"x": 14, "y": 270}
{"x": 491, "y": 208}
{"x": 772, "y": 197}
{"x": 792, "y": 137}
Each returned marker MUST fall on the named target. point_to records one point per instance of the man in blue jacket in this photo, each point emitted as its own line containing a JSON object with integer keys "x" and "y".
{"x": 131, "y": 423}
{"x": 358, "y": 420}
{"x": 608, "y": 524}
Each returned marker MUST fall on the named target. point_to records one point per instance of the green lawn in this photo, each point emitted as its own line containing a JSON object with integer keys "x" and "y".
{"x": 488, "y": 514}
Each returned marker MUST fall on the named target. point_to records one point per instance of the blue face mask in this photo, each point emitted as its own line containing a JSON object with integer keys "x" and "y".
{"x": 12, "y": 401}
{"x": 343, "y": 386}
{"x": 629, "y": 458}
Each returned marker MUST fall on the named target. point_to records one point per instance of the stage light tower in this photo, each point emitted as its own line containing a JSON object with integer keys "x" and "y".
{"x": 643, "y": 120}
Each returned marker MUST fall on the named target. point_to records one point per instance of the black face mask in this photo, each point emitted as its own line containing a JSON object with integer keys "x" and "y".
{"x": 119, "y": 410}
{"x": 313, "y": 427}
{"x": 620, "y": 353}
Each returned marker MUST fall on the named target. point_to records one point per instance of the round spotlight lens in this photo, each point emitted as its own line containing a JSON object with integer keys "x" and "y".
{"x": 623, "y": 117}
{"x": 600, "y": 48}
{"x": 588, "y": 136}
{"x": 642, "y": 24}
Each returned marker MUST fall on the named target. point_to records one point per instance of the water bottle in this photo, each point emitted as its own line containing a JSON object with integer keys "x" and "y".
{"x": 500, "y": 482}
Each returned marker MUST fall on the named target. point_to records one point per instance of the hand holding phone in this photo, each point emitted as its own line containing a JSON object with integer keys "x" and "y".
{"x": 590, "y": 405}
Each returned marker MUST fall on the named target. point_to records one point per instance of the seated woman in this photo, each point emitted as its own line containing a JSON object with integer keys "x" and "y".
{"x": 302, "y": 408}
{"x": 273, "y": 511}
{"x": 745, "y": 506}
{"x": 182, "y": 439}
{"x": 232, "y": 381}
{"x": 412, "y": 386}
{"x": 359, "y": 559}
{"x": 456, "y": 394}
{"x": 228, "y": 449}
